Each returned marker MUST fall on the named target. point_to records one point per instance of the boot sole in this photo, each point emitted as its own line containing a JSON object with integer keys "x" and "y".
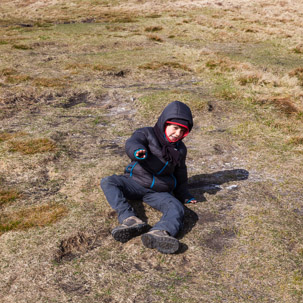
{"x": 164, "y": 245}
{"x": 124, "y": 234}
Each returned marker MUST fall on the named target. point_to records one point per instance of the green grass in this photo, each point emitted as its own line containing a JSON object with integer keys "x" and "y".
{"x": 273, "y": 54}
{"x": 151, "y": 105}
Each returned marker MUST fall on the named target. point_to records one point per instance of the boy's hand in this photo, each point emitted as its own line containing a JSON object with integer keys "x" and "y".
{"x": 141, "y": 153}
{"x": 193, "y": 201}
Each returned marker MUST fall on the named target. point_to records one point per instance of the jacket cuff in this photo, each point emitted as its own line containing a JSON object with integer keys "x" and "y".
{"x": 138, "y": 158}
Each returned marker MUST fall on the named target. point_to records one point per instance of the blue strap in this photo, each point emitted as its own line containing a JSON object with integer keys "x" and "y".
{"x": 131, "y": 171}
{"x": 153, "y": 183}
{"x": 159, "y": 172}
{"x": 174, "y": 180}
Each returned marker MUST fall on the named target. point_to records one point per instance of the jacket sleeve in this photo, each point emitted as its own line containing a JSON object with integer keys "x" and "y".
{"x": 181, "y": 192}
{"x": 138, "y": 141}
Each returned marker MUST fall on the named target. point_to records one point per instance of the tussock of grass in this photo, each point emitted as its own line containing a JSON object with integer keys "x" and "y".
{"x": 223, "y": 64}
{"x": 298, "y": 49}
{"x": 284, "y": 104}
{"x": 298, "y": 73}
{"x": 31, "y": 217}
{"x": 8, "y": 72}
{"x": 7, "y": 196}
{"x": 3, "y": 42}
{"x": 95, "y": 67}
{"x": 32, "y": 146}
{"x": 15, "y": 79}
{"x": 77, "y": 66}
{"x": 296, "y": 140}
{"x": 155, "y": 38}
{"x": 119, "y": 17}
{"x": 249, "y": 78}
{"x": 153, "y": 16}
{"x": 21, "y": 47}
{"x": 123, "y": 20}
{"x": 159, "y": 65}
{"x": 153, "y": 28}
{"x": 225, "y": 89}
{"x": 5, "y": 136}
{"x": 49, "y": 82}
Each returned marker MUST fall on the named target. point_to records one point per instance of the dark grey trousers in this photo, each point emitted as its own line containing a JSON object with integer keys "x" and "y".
{"x": 118, "y": 189}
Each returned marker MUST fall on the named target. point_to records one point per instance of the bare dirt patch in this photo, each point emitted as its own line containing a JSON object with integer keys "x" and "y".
{"x": 79, "y": 244}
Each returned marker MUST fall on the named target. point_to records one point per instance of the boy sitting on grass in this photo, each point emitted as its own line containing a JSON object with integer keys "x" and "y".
{"x": 158, "y": 176}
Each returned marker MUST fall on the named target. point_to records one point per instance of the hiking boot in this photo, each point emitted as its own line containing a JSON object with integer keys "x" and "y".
{"x": 161, "y": 240}
{"x": 130, "y": 228}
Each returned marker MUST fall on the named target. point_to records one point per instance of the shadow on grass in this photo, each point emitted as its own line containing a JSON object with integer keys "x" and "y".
{"x": 207, "y": 183}
{"x": 203, "y": 183}
{"x": 210, "y": 183}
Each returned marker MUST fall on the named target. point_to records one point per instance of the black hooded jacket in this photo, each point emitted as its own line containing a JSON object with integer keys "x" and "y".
{"x": 154, "y": 171}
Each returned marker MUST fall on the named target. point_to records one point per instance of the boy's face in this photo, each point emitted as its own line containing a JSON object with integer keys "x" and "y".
{"x": 174, "y": 132}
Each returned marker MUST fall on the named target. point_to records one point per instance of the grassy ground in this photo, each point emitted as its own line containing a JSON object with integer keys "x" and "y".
{"x": 78, "y": 77}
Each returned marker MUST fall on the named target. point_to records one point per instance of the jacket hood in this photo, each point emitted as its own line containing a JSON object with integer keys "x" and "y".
{"x": 175, "y": 110}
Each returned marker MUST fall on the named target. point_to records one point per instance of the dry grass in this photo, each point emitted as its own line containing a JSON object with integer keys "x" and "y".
{"x": 223, "y": 64}
{"x": 283, "y": 104}
{"x": 7, "y": 196}
{"x": 94, "y": 67}
{"x": 22, "y": 46}
{"x": 155, "y": 38}
{"x": 94, "y": 77}
{"x": 8, "y": 72}
{"x": 153, "y": 28}
{"x": 296, "y": 140}
{"x": 5, "y": 136}
{"x": 38, "y": 216}
{"x": 50, "y": 82}
{"x": 15, "y": 79}
{"x": 249, "y": 78}
{"x": 298, "y": 73}
{"x": 298, "y": 49}
{"x": 32, "y": 146}
{"x": 159, "y": 65}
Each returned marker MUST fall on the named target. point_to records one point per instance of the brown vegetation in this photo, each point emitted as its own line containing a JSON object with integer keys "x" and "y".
{"x": 5, "y": 136}
{"x": 153, "y": 28}
{"x": 37, "y": 216}
{"x": 155, "y": 38}
{"x": 77, "y": 78}
{"x": 159, "y": 65}
{"x": 7, "y": 196}
{"x": 284, "y": 104}
{"x": 32, "y": 146}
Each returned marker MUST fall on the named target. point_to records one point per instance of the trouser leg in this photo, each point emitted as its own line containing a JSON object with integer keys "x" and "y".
{"x": 172, "y": 209}
{"x": 119, "y": 188}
